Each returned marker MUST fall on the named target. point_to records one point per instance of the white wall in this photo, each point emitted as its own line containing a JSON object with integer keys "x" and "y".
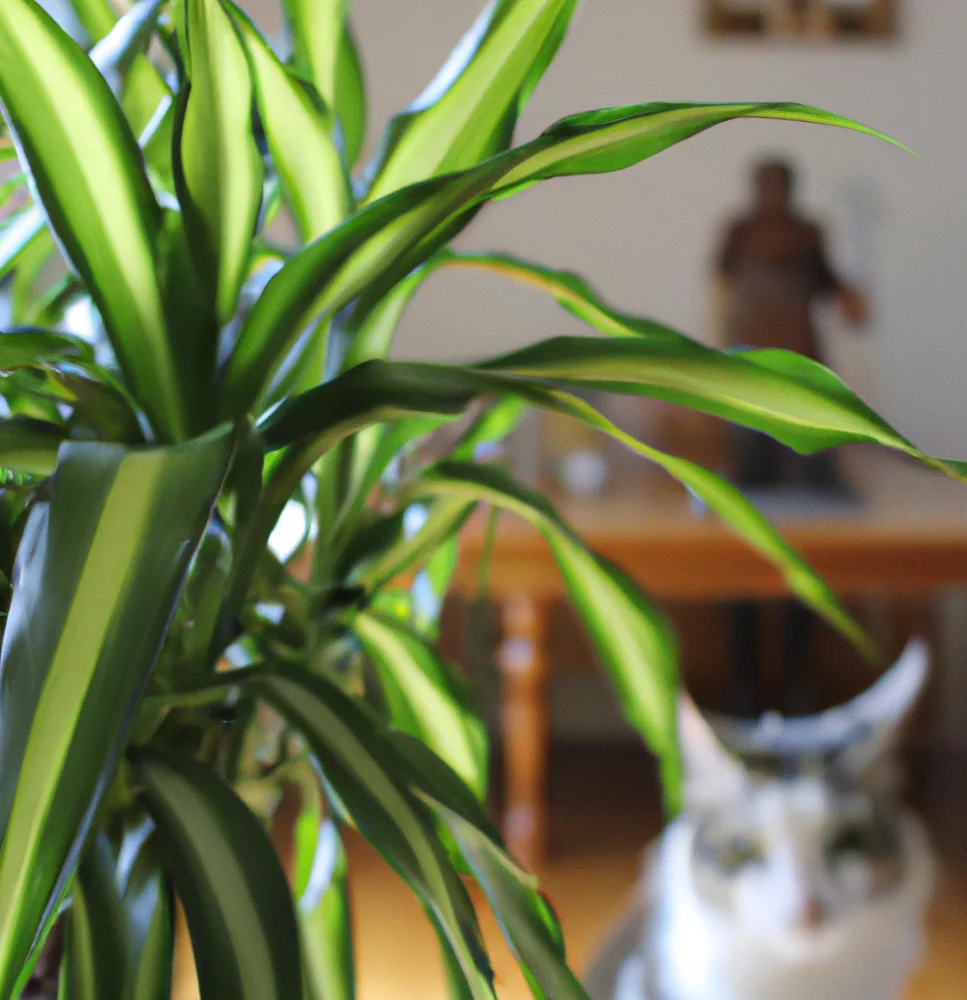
{"x": 644, "y": 237}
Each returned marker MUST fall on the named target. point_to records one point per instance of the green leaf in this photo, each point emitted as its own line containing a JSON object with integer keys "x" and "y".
{"x": 318, "y": 28}
{"x": 219, "y": 171}
{"x": 315, "y": 182}
{"x": 633, "y": 639}
{"x": 17, "y": 235}
{"x": 226, "y": 872}
{"x": 325, "y": 921}
{"x": 98, "y": 575}
{"x": 350, "y": 103}
{"x": 137, "y": 84}
{"x": 385, "y": 241}
{"x": 149, "y": 918}
{"x": 359, "y": 765}
{"x": 795, "y": 400}
{"x": 87, "y": 169}
{"x": 526, "y": 920}
{"x": 23, "y": 347}
{"x": 469, "y": 111}
{"x": 115, "y": 54}
{"x": 93, "y": 967}
{"x": 29, "y": 446}
{"x": 426, "y": 697}
{"x": 442, "y": 521}
{"x": 743, "y": 517}
{"x": 98, "y": 17}
{"x": 326, "y": 55}
{"x": 570, "y": 290}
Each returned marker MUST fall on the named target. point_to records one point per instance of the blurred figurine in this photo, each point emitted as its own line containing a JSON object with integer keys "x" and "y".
{"x": 774, "y": 270}
{"x": 793, "y": 873}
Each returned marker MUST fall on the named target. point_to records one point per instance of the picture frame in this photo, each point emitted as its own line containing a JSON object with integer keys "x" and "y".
{"x": 803, "y": 19}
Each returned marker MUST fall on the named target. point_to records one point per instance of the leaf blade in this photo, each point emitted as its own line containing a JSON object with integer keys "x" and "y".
{"x": 230, "y": 880}
{"x": 87, "y": 170}
{"x": 219, "y": 171}
{"x": 311, "y": 168}
{"x": 385, "y": 241}
{"x": 426, "y": 698}
{"x": 355, "y": 761}
{"x": 91, "y": 598}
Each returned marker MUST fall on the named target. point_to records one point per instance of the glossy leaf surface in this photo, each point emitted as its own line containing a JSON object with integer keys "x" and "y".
{"x": 795, "y": 400}
{"x": 631, "y": 636}
{"x": 378, "y": 246}
{"x": 469, "y": 110}
{"x": 87, "y": 169}
{"x": 426, "y": 697}
{"x": 95, "y": 945}
{"x": 220, "y": 170}
{"x": 240, "y": 915}
{"x": 300, "y": 139}
{"x": 357, "y": 763}
{"x": 98, "y": 575}
{"x": 526, "y": 919}
{"x": 29, "y": 446}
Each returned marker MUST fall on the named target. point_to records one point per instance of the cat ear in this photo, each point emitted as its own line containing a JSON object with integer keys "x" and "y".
{"x": 877, "y": 715}
{"x": 712, "y": 774}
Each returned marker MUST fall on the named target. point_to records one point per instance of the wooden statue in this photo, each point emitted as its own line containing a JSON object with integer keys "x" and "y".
{"x": 774, "y": 270}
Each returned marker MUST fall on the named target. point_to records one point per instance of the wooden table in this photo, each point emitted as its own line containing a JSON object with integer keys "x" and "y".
{"x": 907, "y": 537}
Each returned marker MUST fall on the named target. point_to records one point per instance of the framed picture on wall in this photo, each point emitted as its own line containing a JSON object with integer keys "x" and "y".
{"x": 845, "y": 19}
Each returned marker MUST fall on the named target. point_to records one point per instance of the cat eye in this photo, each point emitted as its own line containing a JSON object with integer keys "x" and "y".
{"x": 735, "y": 853}
{"x": 852, "y": 839}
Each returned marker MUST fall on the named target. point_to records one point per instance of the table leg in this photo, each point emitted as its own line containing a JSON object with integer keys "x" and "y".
{"x": 524, "y": 719}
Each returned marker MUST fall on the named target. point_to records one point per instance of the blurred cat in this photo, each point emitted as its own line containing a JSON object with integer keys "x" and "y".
{"x": 793, "y": 873}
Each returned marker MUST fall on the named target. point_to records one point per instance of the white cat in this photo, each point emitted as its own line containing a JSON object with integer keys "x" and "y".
{"x": 793, "y": 872}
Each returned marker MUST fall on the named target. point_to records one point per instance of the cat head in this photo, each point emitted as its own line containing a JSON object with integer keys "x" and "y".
{"x": 796, "y": 827}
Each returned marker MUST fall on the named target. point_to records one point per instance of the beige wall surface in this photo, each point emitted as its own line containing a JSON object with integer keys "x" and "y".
{"x": 645, "y": 237}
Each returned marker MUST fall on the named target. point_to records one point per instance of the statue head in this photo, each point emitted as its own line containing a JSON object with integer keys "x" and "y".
{"x": 774, "y": 186}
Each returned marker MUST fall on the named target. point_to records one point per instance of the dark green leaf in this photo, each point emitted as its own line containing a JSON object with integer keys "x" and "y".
{"x": 87, "y": 170}
{"x": 426, "y": 697}
{"x": 93, "y": 967}
{"x": 29, "y": 446}
{"x": 381, "y": 244}
{"x": 98, "y": 575}
{"x": 21, "y": 347}
{"x": 226, "y": 872}
{"x": 440, "y": 522}
{"x": 148, "y": 907}
{"x": 632, "y": 637}
{"x": 795, "y": 400}
{"x": 525, "y": 918}
{"x": 358, "y": 763}
{"x": 220, "y": 171}
{"x": 743, "y": 517}
{"x": 325, "y": 920}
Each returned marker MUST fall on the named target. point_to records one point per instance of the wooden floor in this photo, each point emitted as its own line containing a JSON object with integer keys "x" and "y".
{"x": 604, "y": 812}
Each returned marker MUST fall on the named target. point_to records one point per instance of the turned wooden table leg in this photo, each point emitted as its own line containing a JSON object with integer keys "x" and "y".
{"x": 524, "y": 718}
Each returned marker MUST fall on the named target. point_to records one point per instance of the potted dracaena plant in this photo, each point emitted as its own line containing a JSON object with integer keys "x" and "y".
{"x": 165, "y": 681}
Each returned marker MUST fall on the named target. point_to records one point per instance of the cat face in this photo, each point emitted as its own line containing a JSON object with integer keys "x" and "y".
{"x": 796, "y": 830}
